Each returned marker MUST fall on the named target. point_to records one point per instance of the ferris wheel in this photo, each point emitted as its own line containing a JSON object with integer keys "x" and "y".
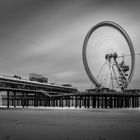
{"x": 103, "y": 49}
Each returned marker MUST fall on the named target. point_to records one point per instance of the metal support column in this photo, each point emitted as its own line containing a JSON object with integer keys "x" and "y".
{"x": 14, "y": 100}
{"x": 111, "y": 102}
{"x": 98, "y": 101}
{"x": 80, "y": 102}
{"x": 23, "y": 99}
{"x": 105, "y": 101}
{"x": 75, "y": 101}
{"x": 8, "y": 98}
{"x": 93, "y": 101}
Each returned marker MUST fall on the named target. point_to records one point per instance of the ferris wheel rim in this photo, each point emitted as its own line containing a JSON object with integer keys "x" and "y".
{"x": 126, "y": 37}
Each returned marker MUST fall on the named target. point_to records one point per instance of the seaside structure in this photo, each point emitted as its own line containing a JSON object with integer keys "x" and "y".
{"x": 21, "y": 91}
{"x": 36, "y": 91}
{"x": 24, "y": 93}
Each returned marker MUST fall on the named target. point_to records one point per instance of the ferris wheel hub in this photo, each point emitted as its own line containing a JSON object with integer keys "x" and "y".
{"x": 111, "y": 55}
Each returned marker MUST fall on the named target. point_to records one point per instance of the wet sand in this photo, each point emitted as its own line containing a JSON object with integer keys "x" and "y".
{"x": 69, "y": 124}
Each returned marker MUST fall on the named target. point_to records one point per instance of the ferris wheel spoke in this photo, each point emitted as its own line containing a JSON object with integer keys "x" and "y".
{"x": 101, "y": 70}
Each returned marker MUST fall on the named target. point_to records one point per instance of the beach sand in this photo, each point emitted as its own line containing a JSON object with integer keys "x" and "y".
{"x": 69, "y": 124}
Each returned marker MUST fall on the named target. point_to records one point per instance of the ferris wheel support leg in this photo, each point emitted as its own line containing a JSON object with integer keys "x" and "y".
{"x": 116, "y": 78}
{"x": 109, "y": 74}
{"x": 112, "y": 75}
{"x": 127, "y": 83}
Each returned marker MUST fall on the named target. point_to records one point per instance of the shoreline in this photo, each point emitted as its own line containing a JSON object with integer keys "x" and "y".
{"x": 69, "y": 124}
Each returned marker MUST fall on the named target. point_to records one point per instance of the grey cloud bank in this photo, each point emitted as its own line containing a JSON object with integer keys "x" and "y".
{"x": 47, "y": 36}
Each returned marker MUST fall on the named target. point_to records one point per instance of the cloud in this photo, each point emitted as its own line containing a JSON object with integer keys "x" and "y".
{"x": 65, "y": 75}
{"x": 47, "y": 36}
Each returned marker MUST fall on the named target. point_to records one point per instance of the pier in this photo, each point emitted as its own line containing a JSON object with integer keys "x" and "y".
{"x": 107, "y": 99}
{"x": 115, "y": 73}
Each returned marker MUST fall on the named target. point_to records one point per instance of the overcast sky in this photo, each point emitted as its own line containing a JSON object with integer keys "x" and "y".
{"x": 46, "y": 36}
